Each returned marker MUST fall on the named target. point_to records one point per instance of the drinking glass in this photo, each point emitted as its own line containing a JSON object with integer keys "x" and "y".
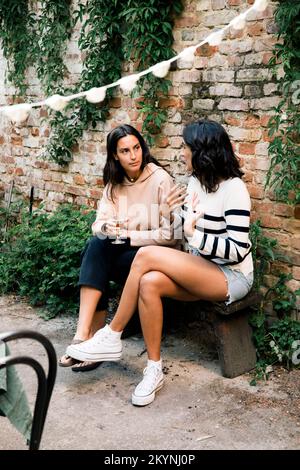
{"x": 119, "y": 223}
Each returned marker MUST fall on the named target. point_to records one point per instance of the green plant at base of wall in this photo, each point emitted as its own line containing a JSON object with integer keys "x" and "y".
{"x": 284, "y": 303}
{"x": 16, "y": 35}
{"x": 40, "y": 257}
{"x": 284, "y": 126}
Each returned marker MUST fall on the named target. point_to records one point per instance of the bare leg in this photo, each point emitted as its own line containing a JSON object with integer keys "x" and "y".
{"x": 199, "y": 277}
{"x": 153, "y": 286}
{"x": 89, "y": 320}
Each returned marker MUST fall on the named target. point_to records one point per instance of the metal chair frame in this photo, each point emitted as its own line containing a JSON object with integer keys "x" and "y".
{"x": 45, "y": 383}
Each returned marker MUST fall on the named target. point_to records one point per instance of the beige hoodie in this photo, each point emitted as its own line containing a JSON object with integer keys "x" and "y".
{"x": 143, "y": 202}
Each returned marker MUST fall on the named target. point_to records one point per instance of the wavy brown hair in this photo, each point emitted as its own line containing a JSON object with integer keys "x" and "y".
{"x": 213, "y": 159}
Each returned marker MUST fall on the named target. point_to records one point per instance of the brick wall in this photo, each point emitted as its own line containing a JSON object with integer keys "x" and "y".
{"x": 229, "y": 83}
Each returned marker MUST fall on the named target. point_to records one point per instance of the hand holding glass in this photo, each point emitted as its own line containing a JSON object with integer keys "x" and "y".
{"x": 120, "y": 224}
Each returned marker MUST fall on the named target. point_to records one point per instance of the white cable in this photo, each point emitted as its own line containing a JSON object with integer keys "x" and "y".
{"x": 20, "y": 112}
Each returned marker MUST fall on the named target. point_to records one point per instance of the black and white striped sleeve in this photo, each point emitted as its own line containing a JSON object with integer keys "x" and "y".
{"x": 230, "y": 244}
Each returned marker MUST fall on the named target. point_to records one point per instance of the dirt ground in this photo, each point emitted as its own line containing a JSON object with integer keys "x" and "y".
{"x": 196, "y": 409}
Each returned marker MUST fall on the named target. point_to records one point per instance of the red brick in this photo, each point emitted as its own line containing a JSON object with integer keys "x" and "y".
{"x": 99, "y": 182}
{"x": 79, "y": 179}
{"x": 75, "y": 190}
{"x": 266, "y": 57}
{"x": 297, "y": 211}
{"x": 162, "y": 141}
{"x": 255, "y": 29}
{"x": 251, "y": 122}
{"x": 283, "y": 209}
{"x": 35, "y": 131}
{"x": 206, "y": 50}
{"x": 264, "y": 120}
{"x": 171, "y": 102}
{"x": 257, "y": 192}
{"x": 246, "y": 148}
{"x": 16, "y": 140}
{"x": 270, "y": 221}
{"x": 232, "y": 121}
{"x": 95, "y": 193}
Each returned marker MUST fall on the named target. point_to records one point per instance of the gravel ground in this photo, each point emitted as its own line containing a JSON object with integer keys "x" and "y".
{"x": 196, "y": 409}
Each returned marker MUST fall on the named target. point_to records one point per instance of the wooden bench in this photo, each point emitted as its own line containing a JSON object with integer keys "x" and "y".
{"x": 232, "y": 331}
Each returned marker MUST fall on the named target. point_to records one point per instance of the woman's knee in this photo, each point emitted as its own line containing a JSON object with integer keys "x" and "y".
{"x": 144, "y": 256}
{"x": 150, "y": 285}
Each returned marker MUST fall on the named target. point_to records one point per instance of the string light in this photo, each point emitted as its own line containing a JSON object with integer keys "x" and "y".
{"x": 127, "y": 84}
{"x": 57, "y": 102}
{"x": 18, "y": 113}
{"x": 260, "y": 5}
{"x": 96, "y": 95}
{"x": 161, "y": 70}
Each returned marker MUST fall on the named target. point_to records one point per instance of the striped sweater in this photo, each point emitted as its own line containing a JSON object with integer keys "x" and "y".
{"x": 222, "y": 232}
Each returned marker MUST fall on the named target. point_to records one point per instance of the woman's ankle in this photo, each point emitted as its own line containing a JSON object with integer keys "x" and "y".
{"x": 82, "y": 335}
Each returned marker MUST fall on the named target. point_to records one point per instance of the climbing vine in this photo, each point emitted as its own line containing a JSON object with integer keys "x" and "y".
{"x": 16, "y": 36}
{"x": 284, "y": 126}
{"x": 99, "y": 42}
{"x": 148, "y": 39}
{"x": 54, "y": 28}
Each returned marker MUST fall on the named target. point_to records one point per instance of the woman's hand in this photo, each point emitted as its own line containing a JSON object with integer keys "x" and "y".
{"x": 192, "y": 216}
{"x": 176, "y": 197}
{"x": 111, "y": 228}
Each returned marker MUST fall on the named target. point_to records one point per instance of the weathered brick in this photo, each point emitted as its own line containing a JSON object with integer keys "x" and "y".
{"x": 226, "y": 89}
{"x": 234, "y": 104}
{"x": 204, "y": 104}
{"x": 249, "y": 135}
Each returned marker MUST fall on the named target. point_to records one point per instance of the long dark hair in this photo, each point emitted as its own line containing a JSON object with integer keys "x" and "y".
{"x": 113, "y": 172}
{"x": 213, "y": 159}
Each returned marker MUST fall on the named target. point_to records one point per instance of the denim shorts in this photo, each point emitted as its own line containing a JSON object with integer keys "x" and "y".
{"x": 238, "y": 284}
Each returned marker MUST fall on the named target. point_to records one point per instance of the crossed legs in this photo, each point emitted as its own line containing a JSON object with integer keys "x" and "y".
{"x": 164, "y": 272}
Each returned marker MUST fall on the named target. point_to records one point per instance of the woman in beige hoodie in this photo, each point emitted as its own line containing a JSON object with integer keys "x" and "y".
{"x": 136, "y": 187}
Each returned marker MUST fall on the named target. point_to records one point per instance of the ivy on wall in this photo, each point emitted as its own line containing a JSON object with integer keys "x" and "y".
{"x": 54, "y": 27}
{"x": 111, "y": 31}
{"x": 148, "y": 39}
{"x": 284, "y": 126}
{"x": 16, "y": 36}
{"x": 100, "y": 43}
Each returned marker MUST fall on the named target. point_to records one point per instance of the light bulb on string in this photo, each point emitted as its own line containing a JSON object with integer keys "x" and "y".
{"x": 214, "y": 39}
{"x": 56, "y": 102}
{"x": 161, "y": 69}
{"x": 260, "y": 5}
{"x": 239, "y": 22}
{"x": 96, "y": 95}
{"x": 128, "y": 83}
{"x": 188, "y": 53}
{"x": 17, "y": 113}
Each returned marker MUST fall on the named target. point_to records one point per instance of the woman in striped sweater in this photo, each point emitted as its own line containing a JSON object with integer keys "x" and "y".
{"x": 217, "y": 264}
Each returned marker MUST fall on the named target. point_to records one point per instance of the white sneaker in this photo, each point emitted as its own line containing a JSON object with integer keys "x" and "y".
{"x": 103, "y": 346}
{"x": 152, "y": 382}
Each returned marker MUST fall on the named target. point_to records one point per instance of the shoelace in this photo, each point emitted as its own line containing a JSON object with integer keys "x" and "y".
{"x": 150, "y": 377}
{"x": 102, "y": 335}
